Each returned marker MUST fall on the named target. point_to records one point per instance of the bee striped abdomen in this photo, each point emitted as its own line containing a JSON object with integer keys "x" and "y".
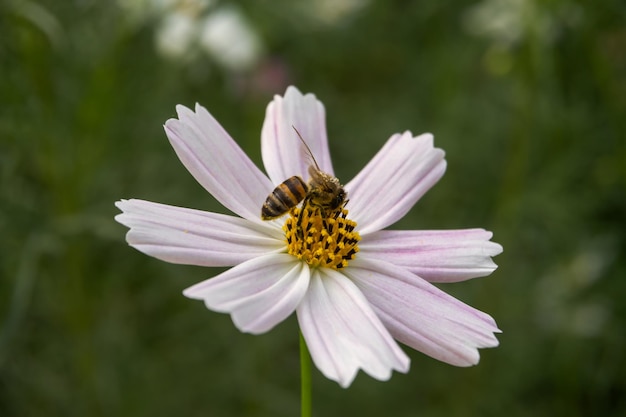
{"x": 284, "y": 197}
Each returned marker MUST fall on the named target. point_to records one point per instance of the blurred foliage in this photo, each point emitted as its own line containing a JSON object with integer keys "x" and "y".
{"x": 527, "y": 97}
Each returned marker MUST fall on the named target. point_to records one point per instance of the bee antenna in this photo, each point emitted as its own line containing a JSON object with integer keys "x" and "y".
{"x": 307, "y": 147}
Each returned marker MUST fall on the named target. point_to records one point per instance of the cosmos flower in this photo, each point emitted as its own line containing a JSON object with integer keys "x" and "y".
{"x": 354, "y": 286}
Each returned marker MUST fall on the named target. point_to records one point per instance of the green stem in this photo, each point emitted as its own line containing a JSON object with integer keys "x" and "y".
{"x": 305, "y": 376}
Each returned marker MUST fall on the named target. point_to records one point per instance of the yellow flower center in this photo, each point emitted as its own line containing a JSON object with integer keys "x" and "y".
{"x": 329, "y": 241}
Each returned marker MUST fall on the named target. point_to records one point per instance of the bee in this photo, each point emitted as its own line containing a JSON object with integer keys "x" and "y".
{"x": 322, "y": 191}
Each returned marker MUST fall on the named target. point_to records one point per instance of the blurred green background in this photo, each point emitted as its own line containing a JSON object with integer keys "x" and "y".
{"x": 527, "y": 98}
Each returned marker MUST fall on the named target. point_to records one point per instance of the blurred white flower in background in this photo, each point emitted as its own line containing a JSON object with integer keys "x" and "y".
{"x": 187, "y": 29}
{"x": 191, "y": 32}
{"x": 176, "y": 34}
{"x": 333, "y": 12}
{"x": 501, "y": 20}
{"x": 230, "y": 39}
{"x": 508, "y": 23}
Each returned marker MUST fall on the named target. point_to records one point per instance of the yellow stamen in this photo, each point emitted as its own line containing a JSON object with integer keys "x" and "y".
{"x": 329, "y": 241}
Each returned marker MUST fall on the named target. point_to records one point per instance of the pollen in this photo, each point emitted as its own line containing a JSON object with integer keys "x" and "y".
{"x": 321, "y": 239}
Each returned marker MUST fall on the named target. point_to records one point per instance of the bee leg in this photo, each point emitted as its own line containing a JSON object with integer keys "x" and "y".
{"x": 299, "y": 231}
{"x": 323, "y": 213}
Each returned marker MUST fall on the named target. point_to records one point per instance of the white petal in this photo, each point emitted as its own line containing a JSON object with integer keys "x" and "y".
{"x": 283, "y": 153}
{"x": 435, "y": 255}
{"x": 258, "y": 294}
{"x": 392, "y": 182}
{"x": 420, "y": 315}
{"x": 217, "y": 162}
{"x": 342, "y": 332}
{"x": 194, "y": 237}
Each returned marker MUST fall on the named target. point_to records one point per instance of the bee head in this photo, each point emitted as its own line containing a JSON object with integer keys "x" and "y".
{"x": 340, "y": 198}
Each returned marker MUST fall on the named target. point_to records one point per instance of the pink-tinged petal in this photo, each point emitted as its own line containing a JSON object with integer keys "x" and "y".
{"x": 217, "y": 162}
{"x": 392, "y": 182}
{"x": 435, "y": 255}
{"x": 194, "y": 237}
{"x": 283, "y": 153}
{"x": 421, "y": 316}
{"x": 258, "y": 294}
{"x": 342, "y": 332}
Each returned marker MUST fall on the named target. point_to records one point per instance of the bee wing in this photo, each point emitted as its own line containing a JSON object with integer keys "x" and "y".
{"x": 306, "y": 152}
{"x": 316, "y": 154}
{"x": 309, "y": 161}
